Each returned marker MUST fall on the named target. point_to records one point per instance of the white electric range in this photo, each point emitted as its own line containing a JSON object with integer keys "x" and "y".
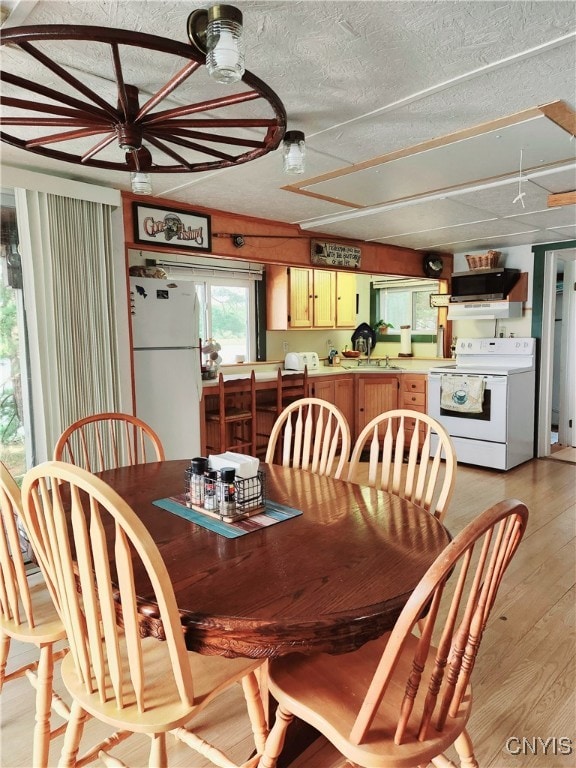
{"x": 501, "y": 434}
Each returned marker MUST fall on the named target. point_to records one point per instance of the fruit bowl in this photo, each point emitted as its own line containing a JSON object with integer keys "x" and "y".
{"x": 351, "y": 353}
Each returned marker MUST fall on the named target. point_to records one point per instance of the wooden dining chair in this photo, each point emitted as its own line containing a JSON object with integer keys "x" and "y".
{"x": 404, "y": 698}
{"x": 314, "y": 435}
{"x": 108, "y": 441}
{"x": 231, "y": 424}
{"x": 405, "y": 450}
{"x": 89, "y": 543}
{"x": 28, "y": 615}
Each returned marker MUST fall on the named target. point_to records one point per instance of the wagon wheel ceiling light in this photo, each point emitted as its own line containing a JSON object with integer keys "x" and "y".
{"x": 189, "y": 135}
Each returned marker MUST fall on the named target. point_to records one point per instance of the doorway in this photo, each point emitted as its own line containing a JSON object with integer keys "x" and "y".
{"x": 557, "y": 377}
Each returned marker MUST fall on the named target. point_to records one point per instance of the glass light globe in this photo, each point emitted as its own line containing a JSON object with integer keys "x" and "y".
{"x": 294, "y": 152}
{"x": 225, "y": 44}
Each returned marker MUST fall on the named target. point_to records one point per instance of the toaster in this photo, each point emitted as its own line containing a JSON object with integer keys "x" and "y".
{"x": 297, "y": 361}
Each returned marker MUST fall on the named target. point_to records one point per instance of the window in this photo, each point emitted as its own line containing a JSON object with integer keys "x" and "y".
{"x": 14, "y": 410}
{"x": 405, "y": 302}
{"x": 227, "y": 315}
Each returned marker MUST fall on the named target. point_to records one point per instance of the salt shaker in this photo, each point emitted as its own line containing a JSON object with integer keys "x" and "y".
{"x": 210, "y": 498}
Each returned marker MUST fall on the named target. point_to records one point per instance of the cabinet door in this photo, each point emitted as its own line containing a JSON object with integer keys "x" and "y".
{"x": 345, "y": 300}
{"x": 323, "y": 299}
{"x": 376, "y": 394}
{"x": 300, "y": 298}
{"x": 344, "y": 399}
{"x": 323, "y": 388}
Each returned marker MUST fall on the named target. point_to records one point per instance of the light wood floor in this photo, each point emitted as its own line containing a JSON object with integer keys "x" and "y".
{"x": 524, "y": 680}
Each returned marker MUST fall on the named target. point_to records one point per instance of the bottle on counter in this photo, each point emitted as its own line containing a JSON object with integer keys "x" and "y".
{"x": 227, "y": 494}
{"x": 196, "y": 472}
{"x": 210, "y": 495}
{"x": 440, "y": 342}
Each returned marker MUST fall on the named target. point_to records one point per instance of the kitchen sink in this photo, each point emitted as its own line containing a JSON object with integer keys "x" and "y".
{"x": 372, "y": 367}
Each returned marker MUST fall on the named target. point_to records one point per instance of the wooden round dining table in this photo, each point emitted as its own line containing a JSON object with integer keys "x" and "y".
{"x": 327, "y": 580}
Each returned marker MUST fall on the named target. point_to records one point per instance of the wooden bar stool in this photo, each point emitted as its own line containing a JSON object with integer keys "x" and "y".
{"x": 289, "y": 388}
{"x": 232, "y": 426}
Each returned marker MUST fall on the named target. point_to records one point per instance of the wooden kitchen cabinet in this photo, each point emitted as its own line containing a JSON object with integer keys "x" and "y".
{"x": 413, "y": 395}
{"x": 375, "y": 394}
{"x": 345, "y": 300}
{"x": 308, "y": 298}
{"x": 323, "y": 298}
{"x": 338, "y": 390}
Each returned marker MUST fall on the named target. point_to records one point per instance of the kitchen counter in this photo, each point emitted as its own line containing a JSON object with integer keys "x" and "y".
{"x": 412, "y": 366}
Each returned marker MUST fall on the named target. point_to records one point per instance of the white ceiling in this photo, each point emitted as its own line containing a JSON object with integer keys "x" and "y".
{"x": 368, "y": 82}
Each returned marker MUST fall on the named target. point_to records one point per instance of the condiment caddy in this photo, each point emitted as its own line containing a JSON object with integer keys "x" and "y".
{"x": 221, "y": 492}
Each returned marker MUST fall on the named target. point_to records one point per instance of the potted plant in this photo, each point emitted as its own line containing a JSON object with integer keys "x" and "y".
{"x": 382, "y": 327}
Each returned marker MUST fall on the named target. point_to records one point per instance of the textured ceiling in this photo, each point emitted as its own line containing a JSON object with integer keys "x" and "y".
{"x": 364, "y": 80}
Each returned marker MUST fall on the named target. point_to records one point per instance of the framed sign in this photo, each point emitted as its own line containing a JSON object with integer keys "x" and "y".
{"x": 334, "y": 254}
{"x": 165, "y": 227}
{"x": 439, "y": 299}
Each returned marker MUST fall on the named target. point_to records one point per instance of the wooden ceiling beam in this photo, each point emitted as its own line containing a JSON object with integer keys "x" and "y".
{"x": 562, "y": 198}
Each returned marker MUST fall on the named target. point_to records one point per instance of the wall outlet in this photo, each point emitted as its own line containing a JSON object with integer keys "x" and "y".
{"x": 285, "y": 347}
{"x": 329, "y": 344}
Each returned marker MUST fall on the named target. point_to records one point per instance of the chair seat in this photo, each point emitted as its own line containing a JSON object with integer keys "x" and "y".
{"x": 48, "y": 627}
{"x": 164, "y": 707}
{"x": 232, "y": 414}
{"x": 333, "y": 685}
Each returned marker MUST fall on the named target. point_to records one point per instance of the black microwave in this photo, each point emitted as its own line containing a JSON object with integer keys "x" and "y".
{"x": 483, "y": 284}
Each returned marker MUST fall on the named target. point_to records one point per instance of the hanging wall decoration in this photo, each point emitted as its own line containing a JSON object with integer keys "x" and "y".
{"x": 334, "y": 254}
{"x": 170, "y": 228}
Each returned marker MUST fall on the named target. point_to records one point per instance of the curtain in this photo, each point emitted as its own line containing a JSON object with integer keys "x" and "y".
{"x": 67, "y": 252}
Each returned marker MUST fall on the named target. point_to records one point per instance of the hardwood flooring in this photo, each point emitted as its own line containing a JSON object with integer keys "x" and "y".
{"x": 524, "y": 680}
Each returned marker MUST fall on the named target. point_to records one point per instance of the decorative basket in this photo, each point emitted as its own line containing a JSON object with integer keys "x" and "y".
{"x": 484, "y": 260}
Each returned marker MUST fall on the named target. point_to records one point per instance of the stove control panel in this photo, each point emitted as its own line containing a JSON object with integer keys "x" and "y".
{"x": 504, "y": 347}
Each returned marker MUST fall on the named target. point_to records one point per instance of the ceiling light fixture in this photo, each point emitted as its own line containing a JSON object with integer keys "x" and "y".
{"x": 166, "y": 131}
{"x": 217, "y": 33}
{"x": 141, "y": 183}
{"x": 294, "y": 151}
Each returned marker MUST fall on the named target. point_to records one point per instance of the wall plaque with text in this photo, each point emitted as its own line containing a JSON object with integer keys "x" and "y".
{"x": 334, "y": 254}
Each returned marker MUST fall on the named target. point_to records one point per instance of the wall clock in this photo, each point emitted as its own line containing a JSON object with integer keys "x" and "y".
{"x": 432, "y": 265}
{"x": 439, "y": 299}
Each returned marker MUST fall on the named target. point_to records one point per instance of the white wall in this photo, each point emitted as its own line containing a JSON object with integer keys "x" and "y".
{"x": 518, "y": 257}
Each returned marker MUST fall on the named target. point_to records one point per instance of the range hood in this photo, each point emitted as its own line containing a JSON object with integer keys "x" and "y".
{"x": 484, "y": 310}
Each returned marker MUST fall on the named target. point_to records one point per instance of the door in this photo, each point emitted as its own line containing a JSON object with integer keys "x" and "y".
{"x": 300, "y": 298}
{"x": 345, "y": 300}
{"x": 376, "y": 394}
{"x": 323, "y": 299}
{"x": 167, "y": 398}
{"x": 164, "y": 313}
{"x": 490, "y": 424}
{"x": 559, "y": 376}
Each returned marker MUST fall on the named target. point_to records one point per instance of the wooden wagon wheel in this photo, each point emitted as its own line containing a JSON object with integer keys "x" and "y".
{"x": 181, "y": 139}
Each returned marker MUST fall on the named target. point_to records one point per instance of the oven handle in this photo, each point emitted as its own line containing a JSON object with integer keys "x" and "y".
{"x": 488, "y": 378}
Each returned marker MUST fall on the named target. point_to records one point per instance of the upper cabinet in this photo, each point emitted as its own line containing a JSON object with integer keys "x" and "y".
{"x": 309, "y": 298}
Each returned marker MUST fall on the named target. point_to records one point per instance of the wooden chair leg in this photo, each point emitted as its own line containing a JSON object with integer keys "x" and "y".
{"x": 441, "y": 761}
{"x": 158, "y": 755}
{"x": 72, "y": 736}
{"x": 255, "y": 710}
{"x": 275, "y": 740}
{"x": 465, "y": 749}
{"x": 4, "y": 650}
{"x": 44, "y": 679}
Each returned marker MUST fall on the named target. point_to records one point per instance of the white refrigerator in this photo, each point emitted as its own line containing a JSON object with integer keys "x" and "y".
{"x": 166, "y": 355}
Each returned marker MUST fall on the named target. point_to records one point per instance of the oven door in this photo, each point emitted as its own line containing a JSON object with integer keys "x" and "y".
{"x": 490, "y": 424}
